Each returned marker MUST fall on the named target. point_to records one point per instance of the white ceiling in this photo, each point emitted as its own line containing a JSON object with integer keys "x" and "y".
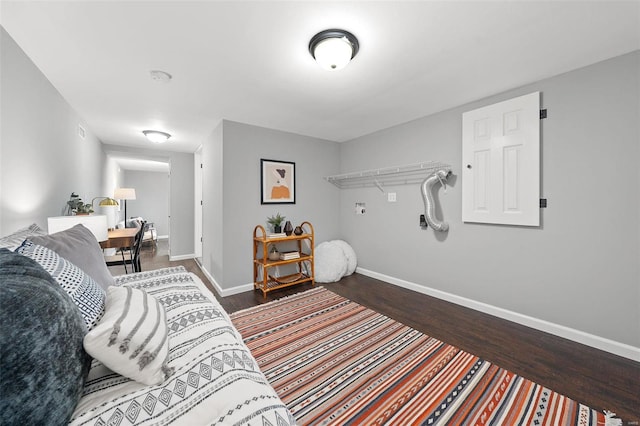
{"x": 248, "y": 61}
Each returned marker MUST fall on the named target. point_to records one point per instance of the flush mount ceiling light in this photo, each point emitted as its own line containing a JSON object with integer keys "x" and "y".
{"x": 333, "y": 49}
{"x": 156, "y": 136}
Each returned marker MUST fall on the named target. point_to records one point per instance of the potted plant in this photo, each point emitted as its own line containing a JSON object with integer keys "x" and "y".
{"x": 75, "y": 205}
{"x": 84, "y": 209}
{"x": 276, "y": 222}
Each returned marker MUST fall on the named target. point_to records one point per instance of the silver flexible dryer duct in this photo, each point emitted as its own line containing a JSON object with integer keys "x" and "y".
{"x": 429, "y": 205}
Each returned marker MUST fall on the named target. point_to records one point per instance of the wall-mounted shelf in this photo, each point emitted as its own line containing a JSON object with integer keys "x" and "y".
{"x": 398, "y": 175}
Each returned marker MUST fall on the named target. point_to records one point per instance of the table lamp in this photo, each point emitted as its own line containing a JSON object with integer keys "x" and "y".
{"x": 110, "y": 205}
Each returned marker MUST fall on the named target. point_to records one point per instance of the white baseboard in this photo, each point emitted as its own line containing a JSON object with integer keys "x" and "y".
{"x": 237, "y": 289}
{"x": 224, "y": 292}
{"x": 213, "y": 281}
{"x": 592, "y": 340}
{"x": 182, "y": 257}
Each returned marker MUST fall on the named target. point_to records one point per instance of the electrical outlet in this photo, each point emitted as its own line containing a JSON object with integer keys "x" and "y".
{"x": 391, "y": 197}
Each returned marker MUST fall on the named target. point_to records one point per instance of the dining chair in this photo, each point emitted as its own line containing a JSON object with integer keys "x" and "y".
{"x": 129, "y": 255}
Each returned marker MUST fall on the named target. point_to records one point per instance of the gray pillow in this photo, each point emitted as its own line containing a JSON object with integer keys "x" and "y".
{"x": 13, "y": 240}
{"x": 79, "y": 246}
{"x": 43, "y": 365}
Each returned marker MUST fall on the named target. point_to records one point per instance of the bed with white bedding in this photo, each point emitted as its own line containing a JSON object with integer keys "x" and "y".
{"x": 81, "y": 347}
{"x": 215, "y": 378}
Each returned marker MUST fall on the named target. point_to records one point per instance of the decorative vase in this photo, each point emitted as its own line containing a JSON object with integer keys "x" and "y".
{"x": 277, "y": 229}
{"x": 288, "y": 229}
{"x": 298, "y": 230}
{"x": 274, "y": 255}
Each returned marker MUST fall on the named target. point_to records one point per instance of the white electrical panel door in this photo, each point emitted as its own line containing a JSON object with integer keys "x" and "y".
{"x": 501, "y": 162}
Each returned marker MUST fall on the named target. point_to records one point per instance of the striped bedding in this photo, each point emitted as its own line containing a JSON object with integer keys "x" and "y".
{"x": 216, "y": 379}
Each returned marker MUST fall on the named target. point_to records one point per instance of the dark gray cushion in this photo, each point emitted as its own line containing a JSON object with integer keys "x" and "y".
{"x": 43, "y": 365}
{"x": 79, "y": 246}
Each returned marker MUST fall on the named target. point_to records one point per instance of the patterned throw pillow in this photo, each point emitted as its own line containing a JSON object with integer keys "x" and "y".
{"x": 132, "y": 336}
{"x": 13, "y": 240}
{"x": 88, "y": 296}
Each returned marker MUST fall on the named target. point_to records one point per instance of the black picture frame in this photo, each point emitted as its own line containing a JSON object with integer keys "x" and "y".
{"x": 277, "y": 182}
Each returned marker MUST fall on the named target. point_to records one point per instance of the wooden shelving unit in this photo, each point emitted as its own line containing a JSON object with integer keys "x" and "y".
{"x": 266, "y": 281}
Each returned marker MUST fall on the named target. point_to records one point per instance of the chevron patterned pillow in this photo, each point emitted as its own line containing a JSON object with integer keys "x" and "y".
{"x": 132, "y": 336}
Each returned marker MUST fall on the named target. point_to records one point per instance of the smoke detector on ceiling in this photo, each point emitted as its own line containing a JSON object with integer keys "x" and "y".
{"x": 160, "y": 76}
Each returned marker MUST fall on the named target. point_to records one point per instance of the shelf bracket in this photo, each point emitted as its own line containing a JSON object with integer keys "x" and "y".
{"x": 378, "y": 185}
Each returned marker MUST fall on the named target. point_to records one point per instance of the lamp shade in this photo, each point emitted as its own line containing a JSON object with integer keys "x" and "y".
{"x": 97, "y": 224}
{"x": 108, "y": 202}
{"x": 105, "y": 201}
{"x": 124, "y": 194}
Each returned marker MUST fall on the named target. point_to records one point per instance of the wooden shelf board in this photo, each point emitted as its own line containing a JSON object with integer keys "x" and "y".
{"x": 274, "y": 285}
{"x": 281, "y": 239}
{"x": 303, "y": 258}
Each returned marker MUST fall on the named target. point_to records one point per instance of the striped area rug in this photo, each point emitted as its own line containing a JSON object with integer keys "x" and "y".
{"x": 333, "y": 361}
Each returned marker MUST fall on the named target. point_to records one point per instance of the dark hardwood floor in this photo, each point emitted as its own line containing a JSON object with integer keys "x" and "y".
{"x": 596, "y": 378}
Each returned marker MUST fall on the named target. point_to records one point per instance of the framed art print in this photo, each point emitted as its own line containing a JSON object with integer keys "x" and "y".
{"x": 277, "y": 182}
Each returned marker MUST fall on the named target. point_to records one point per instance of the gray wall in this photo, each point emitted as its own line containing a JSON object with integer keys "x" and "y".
{"x": 152, "y": 198}
{"x": 181, "y": 195}
{"x": 580, "y": 269}
{"x": 42, "y": 158}
{"x": 212, "y": 201}
{"x": 241, "y": 147}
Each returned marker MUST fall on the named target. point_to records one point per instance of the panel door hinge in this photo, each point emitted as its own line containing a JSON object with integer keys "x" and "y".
{"x": 543, "y": 113}
{"x": 200, "y": 165}
{"x": 200, "y": 239}
{"x": 200, "y": 202}
{"x": 543, "y": 203}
